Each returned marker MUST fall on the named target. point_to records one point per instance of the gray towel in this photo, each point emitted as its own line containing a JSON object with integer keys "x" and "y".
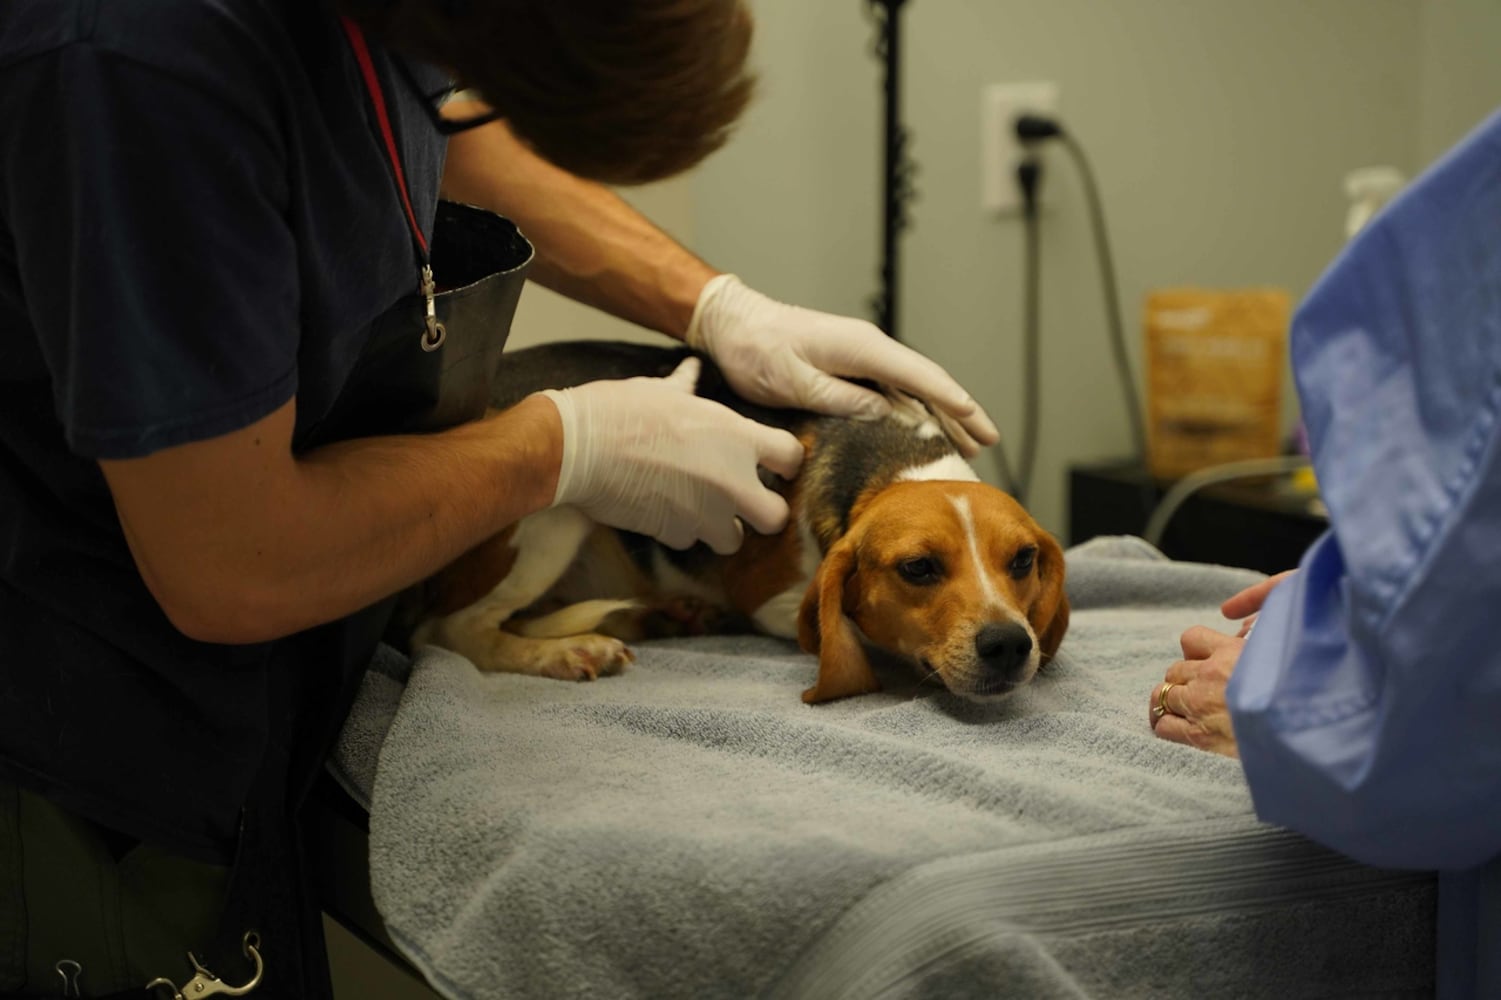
{"x": 691, "y": 829}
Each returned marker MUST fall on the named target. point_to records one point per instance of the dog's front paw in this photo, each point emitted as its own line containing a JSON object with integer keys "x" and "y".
{"x": 587, "y": 658}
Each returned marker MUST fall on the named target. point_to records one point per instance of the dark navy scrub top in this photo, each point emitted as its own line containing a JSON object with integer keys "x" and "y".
{"x": 197, "y": 222}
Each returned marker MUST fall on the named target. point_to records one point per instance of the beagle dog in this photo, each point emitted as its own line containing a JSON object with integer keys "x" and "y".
{"x": 893, "y": 542}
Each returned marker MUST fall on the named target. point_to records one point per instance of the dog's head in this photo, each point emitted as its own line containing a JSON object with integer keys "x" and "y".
{"x": 954, "y": 576}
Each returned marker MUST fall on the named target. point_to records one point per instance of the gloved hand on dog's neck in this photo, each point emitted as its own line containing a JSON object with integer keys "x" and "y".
{"x": 647, "y": 455}
{"x": 781, "y": 355}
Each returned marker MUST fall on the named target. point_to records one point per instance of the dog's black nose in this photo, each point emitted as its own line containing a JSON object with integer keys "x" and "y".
{"x": 1004, "y": 647}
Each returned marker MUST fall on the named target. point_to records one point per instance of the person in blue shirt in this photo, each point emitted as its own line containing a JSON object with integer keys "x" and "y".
{"x": 1363, "y": 692}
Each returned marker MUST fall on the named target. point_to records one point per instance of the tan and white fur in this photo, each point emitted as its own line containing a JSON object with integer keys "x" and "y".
{"x": 893, "y": 542}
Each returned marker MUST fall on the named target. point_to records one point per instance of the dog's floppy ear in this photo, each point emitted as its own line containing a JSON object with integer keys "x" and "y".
{"x": 1049, "y": 615}
{"x": 823, "y": 628}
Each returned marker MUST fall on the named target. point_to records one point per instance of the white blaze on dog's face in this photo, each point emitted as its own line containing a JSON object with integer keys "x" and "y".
{"x": 955, "y": 576}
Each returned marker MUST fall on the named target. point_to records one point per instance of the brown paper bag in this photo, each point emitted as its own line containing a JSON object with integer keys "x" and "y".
{"x": 1214, "y": 377}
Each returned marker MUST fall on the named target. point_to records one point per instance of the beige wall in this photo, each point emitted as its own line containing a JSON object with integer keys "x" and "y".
{"x": 1461, "y": 70}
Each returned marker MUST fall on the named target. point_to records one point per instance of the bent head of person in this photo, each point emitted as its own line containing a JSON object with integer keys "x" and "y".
{"x": 619, "y": 92}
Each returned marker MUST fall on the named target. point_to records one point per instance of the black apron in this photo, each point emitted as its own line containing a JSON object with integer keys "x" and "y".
{"x": 428, "y": 364}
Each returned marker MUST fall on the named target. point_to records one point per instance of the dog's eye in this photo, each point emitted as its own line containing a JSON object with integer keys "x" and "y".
{"x": 1021, "y": 565}
{"x": 923, "y": 570}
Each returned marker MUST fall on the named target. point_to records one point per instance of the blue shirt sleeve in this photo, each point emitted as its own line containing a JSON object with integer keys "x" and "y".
{"x": 1367, "y": 702}
{"x": 148, "y": 212}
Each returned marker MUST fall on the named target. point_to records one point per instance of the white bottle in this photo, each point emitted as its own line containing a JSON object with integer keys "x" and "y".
{"x": 1369, "y": 189}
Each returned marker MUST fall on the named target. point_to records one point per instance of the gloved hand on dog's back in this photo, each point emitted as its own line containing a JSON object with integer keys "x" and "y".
{"x": 781, "y": 355}
{"x": 647, "y": 455}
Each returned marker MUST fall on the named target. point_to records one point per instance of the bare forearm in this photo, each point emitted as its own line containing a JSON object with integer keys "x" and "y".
{"x": 295, "y": 543}
{"x": 592, "y": 246}
{"x": 398, "y": 509}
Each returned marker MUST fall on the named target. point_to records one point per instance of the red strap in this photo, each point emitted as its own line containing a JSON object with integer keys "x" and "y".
{"x": 378, "y": 100}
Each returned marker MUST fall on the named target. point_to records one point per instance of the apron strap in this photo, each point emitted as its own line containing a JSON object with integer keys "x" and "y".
{"x": 361, "y": 52}
{"x": 433, "y": 333}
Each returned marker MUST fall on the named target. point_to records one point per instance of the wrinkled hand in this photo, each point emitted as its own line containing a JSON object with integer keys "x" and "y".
{"x": 647, "y": 455}
{"x": 1189, "y": 705}
{"x": 782, "y": 355}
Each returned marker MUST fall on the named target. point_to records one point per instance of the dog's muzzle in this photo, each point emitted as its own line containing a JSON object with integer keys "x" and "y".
{"x": 1004, "y": 654}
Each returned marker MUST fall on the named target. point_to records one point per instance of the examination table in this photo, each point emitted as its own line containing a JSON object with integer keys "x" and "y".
{"x": 692, "y": 829}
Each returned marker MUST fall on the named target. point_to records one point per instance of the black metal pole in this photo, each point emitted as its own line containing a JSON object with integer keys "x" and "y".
{"x": 897, "y": 166}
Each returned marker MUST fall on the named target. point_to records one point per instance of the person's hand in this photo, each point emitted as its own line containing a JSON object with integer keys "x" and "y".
{"x": 647, "y": 455}
{"x": 781, "y": 355}
{"x": 1247, "y": 604}
{"x": 1189, "y": 705}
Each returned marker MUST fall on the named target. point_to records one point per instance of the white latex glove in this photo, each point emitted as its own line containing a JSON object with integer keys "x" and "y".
{"x": 781, "y": 355}
{"x": 647, "y": 455}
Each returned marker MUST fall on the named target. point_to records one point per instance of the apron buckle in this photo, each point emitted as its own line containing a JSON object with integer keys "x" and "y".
{"x": 435, "y": 334}
{"x": 70, "y": 971}
{"x": 205, "y": 984}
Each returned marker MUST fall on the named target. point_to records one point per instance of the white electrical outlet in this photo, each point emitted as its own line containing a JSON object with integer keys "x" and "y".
{"x": 1000, "y": 105}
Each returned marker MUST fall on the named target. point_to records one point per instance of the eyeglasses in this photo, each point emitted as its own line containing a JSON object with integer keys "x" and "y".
{"x": 432, "y": 104}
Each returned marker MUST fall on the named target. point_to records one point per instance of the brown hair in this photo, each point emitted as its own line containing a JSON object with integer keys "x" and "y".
{"x": 621, "y": 91}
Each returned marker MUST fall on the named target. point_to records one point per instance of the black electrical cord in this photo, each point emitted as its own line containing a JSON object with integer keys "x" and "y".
{"x": 1029, "y": 179}
{"x": 1016, "y": 482}
{"x": 1031, "y": 129}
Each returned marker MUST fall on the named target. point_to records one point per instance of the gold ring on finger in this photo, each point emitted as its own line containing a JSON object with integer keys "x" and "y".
{"x": 1162, "y": 708}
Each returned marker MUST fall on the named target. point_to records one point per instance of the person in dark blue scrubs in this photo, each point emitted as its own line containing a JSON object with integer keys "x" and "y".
{"x": 206, "y": 206}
